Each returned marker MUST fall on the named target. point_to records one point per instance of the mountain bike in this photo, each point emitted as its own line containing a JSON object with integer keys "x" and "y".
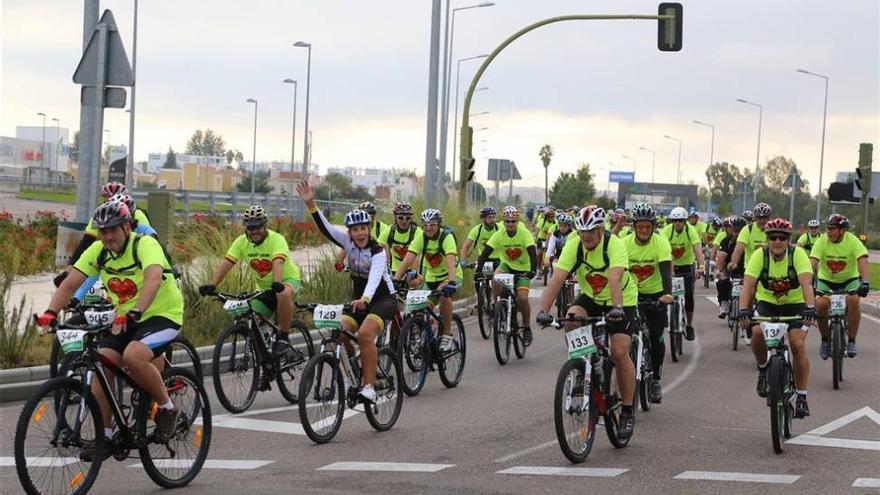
{"x": 243, "y": 362}
{"x": 585, "y": 389}
{"x": 641, "y": 356}
{"x": 837, "y": 324}
{"x": 420, "y": 345}
{"x": 570, "y": 291}
{"x": 483, "y": 288}
{"x": 332, "y": 379}
{"x": 676, "y": 319}
{"x": 59, "y": 440}
{"x": 505, "y": 327}
{"x": 780, "y": 377}
{"x": 736, "y": 331}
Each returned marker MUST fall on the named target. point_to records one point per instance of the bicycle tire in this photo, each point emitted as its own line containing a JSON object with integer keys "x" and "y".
{"x": 450, "y": 376}
{"x": 34, "y": 411}
{"x": 646, "y": 374}
{"x": 193, "y": 429}
{"x": 388, "y": 379}
{"x": 287, "y": 373}
{"x": 776, "y": 402}
{"x": 836, "y": 354}
{"x": 500, "y": 337}
{"x": 414, "y": 356}
{"x": 673, "y": 323}
{"x": 248, "y": 359}
{"x": 55, "y": 357}
{"x": 587, "y": 433}
{"x": 789, "y": 408}
{"x": 613, "y": 405}
{"x": 519, "y": 344}
{"x": 187, "y": 356}
{"x": 320, "y": 366}
{"x": 482, "y": 312}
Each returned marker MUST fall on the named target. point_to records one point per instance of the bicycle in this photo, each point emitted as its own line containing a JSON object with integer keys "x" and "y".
{"x": 331, "y": 380}
{"x": 505, "y": 329}
{"x": 838, "y": 325}
{"x": 581, "y": 397}
{"x": 676, "y": 319}
{"x": 709, "y": 265}
{"x": 736, "y": 331}
{"x": 243, "y": 362}
{"x": 420, "y": 348}
{"x": 483, "y": 283}
{"x": 780, "y": 377}
{"x": 640, "y": 354}
{"x": 42, "y": 444}
{"x": 570, "y": 291}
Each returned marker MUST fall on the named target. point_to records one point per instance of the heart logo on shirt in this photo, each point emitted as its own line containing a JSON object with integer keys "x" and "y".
{"x": 643, "y": 272}
{"x": 513, "y": 253}
{"x": 400, "y": 250}
{"x": 597, "y": 282}
{"x": 434, "y": 259}
{"x": 779, "y": 287}
{"x": 678, "y": 252}
{"x": 125, "y": 290}
{"x": 709, "y": 238}
{"x": 262, "y": 267}
{"x": 836, "y": 266}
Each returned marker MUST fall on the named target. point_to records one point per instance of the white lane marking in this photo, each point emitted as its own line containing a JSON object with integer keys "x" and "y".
{"x": 875, "y": 320}
{"x": 536, "y": 293}
{"x": 785, "y": 479}
{"x": 269, "y": 426}
{"x": 817, "y": 438}
{"x": 866, "y": 483}
{"x": 40, "y": 461}
{"x": 209, "y": 464}
{"x": 527, "y": 451}
{"x": 564, "y": 471}
{"x": 398, "y": 467}
{"x": 713, "y": 300}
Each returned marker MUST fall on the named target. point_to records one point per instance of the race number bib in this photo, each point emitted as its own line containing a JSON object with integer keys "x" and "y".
{"x": 580, "y": 342}
{"x": 488, "y": 269}
{"x": 236, "y": 307}
{"x": 774, "y": 333}
{"x": 71, "y": 340}
{"x": 577, "y": 290}
{"x": 505, "y": 279}
{"x": 99, "y": 318}
{"x": 838, "y": 304}
{"x": 95, "y": 294}
{"x": 678, "y": 286}
{"x": 416, "y": 300}
{"x": 328, "y": 316}
{"x": 736, "y": 290}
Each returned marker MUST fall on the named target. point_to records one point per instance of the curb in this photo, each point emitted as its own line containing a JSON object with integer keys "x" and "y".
{"x": 18, "y": 384}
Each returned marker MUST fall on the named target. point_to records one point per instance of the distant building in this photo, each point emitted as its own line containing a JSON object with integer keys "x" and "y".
{"x": 23, "y": 159}
{"x": 57, "y": 145}
{"x": 156, "y": 161}
{"x": 395, "y": 180}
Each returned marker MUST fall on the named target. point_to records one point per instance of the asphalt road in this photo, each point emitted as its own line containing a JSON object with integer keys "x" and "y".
{"x": 499, "y": 421}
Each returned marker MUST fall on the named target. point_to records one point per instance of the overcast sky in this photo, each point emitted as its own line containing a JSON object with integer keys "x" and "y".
{"x": 593, "y": 90}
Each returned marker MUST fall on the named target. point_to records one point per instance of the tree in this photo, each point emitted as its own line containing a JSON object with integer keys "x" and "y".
{"x": 261, "y": 185}
{"x": 573, "y": 189}
{"x": 170, "y": 159}
{"x": 206, "y": 144}
{"x": 725, "y": 181}
{"x": 233, "y": 156}
{"x": 545, "y": 153}
{"x": 74, "y": 148}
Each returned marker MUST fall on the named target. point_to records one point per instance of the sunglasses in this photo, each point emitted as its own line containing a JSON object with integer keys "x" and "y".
{"x": 777, "y": 237}
{"x": 254, "y": 229}
{"x": 404, "y": 217}
{"x": 677, "y": 221}
{"x": 511, "y": 222}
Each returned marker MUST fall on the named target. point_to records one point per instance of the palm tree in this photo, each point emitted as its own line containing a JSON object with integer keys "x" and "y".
{"x": 546, "y": 153}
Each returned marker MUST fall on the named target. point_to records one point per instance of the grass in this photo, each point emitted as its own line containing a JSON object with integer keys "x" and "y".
{"x": 875, "y": 275}
{"x": 53, "y": 196}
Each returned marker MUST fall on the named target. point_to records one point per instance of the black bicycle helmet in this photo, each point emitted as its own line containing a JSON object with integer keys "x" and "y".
{"x": 111, "y": 214}
{"x": 487, "y": 210}
{"x": 368, "y": 207}
{"x": 402, "y": 208}
{"x": 255, "y": 216}
{"x": 643, "y": 211}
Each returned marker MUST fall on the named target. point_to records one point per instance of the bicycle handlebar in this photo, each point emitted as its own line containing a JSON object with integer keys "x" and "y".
{"x": 558, "y": 323}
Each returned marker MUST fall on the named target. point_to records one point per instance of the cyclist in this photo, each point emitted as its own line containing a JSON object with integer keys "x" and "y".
{"x": 148, "y": 304}
{"x": 512, "y": 244}
{"x": 713, "y": 229}
{"x": 619, "y": 225}
{"x": 599, "y": 260}
{"x": 749, "y": 216}
{"x": 841, "y": 261}
{"x": 808, "y": 239}
{"x": 480, "y": 235}
{"x": 398, "y": 237}
{"x": 781, "y": 279}
{"x": 685, "y": 242}
{"x": 547, "y": 225}
{"x": 751, "y": 238}
{"x": 266, "y": 252}
{"x": 377, "y": 228}
{"x": 558, "y": 238}
{"x": 373, "y": 301}
{"x": 650, "y": 260}
{"x": 723, "y": 274}
{"x": 699, "y": 225}
{"x": 438, "y": 268}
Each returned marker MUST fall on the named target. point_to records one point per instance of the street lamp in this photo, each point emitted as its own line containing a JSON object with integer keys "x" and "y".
{"x": 678, "y": 173}
{"x": 57, "y": 134}
{"x": 711, "y": 162}
{"x": 653, "y": 162}
{"x": 43, "y": 142}
{"x": 254, "y": 163}
{"x": 449, "y": 36}
{"x": 758, "y": 152}
{"x": 130, "y": 165}
{"x": 634, "y": 163}
{"x": 292, "y": 144}
{"x": 303, "y": 44}
{"x": 455, "y": 151}
{"x": 822, "y": 153}
{"x": 478, "y": 114}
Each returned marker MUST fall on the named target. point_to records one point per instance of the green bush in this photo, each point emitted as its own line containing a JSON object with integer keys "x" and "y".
{"x": 17, "y": 329}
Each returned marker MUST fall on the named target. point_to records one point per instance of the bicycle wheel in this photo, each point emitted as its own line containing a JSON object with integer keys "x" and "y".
{"x": 613, "y": 406}
{"x": 290, "y": 370}
{"x": 575, "y": 413}
{"x": 836, "y": 354}
{"x": 413, "y": 356}
{"x": 500, "y": 335}
{"x": 50, "y": 437}
{"x": 646, "y": 373}
{"x": 484, "y": 298}
{"x": 177, "y": 462}
{"x": 673, "y": 329}
{"x": 236, "y": 369}
{"x": 519, "y": 346}
{"x": 56, "y": 356}
{"x": 322, "y": 403}
{"x": 182, "y": 354}
{"x": 733, "y": 324}
{"x": 451, "y": 364}
{"x": 789, "y": 408}
{"x": 384, "y": 413}
{"x": 775, "y": 401}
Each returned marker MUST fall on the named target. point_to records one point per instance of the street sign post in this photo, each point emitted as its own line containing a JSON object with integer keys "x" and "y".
{"x": 793, "y": 182}
{"x": 621, "y": 177}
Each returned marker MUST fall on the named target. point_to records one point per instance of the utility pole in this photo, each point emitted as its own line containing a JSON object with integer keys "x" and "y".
{"x": 431, "y": 180}
{"x": 87, "y": 185}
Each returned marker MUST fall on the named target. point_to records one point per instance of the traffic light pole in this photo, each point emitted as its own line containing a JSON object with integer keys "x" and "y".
{"x": 466, "y": 131}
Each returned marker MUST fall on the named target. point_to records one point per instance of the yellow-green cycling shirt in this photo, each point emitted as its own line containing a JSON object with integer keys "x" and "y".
{"x": 780, "y": 290}
{"x": 592, "y": 273}
{"x": 512, "y": 250}
{"x": 124, "y": 280}
{"x": 261, "y": 256}
{"x": 720, "y": 237}
{"x": 683, "y": 243}
{"x": 398, "y": 242}
{"x": 838, "y": 261}
{"x": 434, "y": 256}
{"x": 753, "y": 238}
{"x": 480, "y": 235}
{"x": 644, "y": 261}
{"x": 546, "y": 227}
{"x": 139, "y": 215}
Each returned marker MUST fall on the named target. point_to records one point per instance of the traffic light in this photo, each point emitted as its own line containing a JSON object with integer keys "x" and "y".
{"x": 470, "y": 170}
{"x": 863, "y": 173}
{"x": 467, "y": 156}
{"x": 669, "y": 30}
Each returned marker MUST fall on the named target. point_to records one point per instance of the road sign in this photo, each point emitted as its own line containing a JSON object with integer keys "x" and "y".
{"x": 793, "y": 178}
{"x": 113, "y": 97}
{"x": 621, "y": 176}
{"x": 118, "y": 70}
{"x": 117, "y": 171}
{"x": 499, "y": 169}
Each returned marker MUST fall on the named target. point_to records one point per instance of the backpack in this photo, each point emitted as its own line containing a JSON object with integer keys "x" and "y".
{"x": 672, "y": 233}
{"x": 764, "y": 278}
{"x": 391, "y": 236}
{"x": 580, "y": 255}
{"x": 105, "y": 253}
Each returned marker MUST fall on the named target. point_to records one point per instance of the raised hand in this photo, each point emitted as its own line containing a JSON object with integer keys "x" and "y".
{"x": 306, "y": 192}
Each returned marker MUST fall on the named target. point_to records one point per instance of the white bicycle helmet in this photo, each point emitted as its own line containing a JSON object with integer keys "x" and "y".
{"x": 511, "y": 213}
{"x": 589, "y": 218}
{"x": 564, "y": 218}
{"x": 813, "y": 224}
{"x": 123, "y": 198}
{"x": 678, "y": 213}
{"x": 357, "y": 217}
{"x": 432, "y": 215}
{"x": 762, "y": 210}
{"x": 255, "y": 216}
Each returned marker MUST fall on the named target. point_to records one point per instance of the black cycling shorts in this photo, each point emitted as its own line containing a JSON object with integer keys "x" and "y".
{"x": 592, "y": 308}
{"x": 155, "y": 332}
{"x": 686, "y": 272}
{"x": 379, "y": 310}
{"x": 766, "y": 309}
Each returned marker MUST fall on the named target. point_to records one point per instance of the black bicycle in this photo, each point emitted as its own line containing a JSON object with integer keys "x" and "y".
{"x": 837, "y": 325}
{"x": 677, "y": 319}
{"x": 570, "y": 291}
{"x": 59, "y": 440}
{"x": 243, "y": 362}
{"x": 332, "y": 379}
{"x": 483, "y": 288}
{"x": 505, "y": 327}
{"x": 640, "y": 354}
{"x": 780, "y": 377}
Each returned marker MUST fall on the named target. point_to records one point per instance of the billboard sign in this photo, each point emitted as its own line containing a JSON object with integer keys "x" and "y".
{"x": 621, "y": 176}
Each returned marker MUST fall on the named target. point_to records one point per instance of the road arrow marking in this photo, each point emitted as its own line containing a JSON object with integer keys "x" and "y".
{"x": 817, "y": 436}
